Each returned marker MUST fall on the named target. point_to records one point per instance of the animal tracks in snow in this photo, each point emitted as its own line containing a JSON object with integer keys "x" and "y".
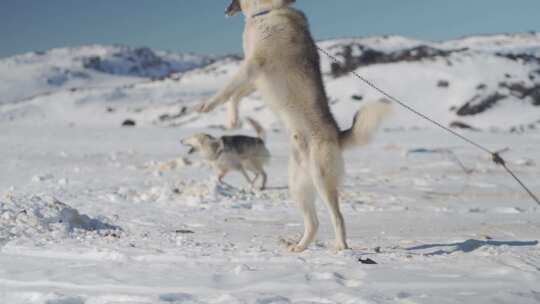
{"x": 333, "y": 277}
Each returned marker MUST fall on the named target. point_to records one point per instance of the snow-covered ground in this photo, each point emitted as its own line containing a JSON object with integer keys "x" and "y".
{"x": 101, "y": 215}
{"x": 93, "y": 213}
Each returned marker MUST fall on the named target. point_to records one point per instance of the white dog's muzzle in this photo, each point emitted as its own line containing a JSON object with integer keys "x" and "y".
{"x": 255, "y": 8}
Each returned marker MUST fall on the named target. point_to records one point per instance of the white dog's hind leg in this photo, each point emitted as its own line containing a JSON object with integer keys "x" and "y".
{"x": 326, "y": 166}
{"x": 303, "y": 193}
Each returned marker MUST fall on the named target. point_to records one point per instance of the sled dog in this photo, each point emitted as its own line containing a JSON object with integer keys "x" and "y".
{"x": 282, "y": 63}
{"x": 233, "y": 153}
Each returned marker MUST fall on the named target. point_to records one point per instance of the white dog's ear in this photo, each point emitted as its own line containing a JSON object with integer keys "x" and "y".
{"x": 282, "y": 3}
{"x": 233, "y": 8}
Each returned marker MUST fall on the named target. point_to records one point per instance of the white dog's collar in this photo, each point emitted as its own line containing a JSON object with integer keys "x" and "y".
{"x": 260, "y": 13}
{"x": 263, "y": 7}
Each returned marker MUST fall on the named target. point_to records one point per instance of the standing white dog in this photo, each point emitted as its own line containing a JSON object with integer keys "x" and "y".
{"x": 282, "y": 63}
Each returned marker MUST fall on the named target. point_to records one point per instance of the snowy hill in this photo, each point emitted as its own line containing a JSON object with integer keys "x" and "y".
{"x": 486, "y": 82}
{"x": 95, "y": 66}
{"x": 482, "y": 82}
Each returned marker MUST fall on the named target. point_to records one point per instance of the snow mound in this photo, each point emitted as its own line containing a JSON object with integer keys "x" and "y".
{"x": 37, "y": 215}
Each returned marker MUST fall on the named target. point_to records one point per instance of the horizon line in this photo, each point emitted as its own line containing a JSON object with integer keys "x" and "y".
{"x": 386, "y": 36}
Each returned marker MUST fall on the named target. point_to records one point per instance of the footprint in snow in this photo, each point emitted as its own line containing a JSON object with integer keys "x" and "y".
{"x": 273, "y": 300}
{"x": 66, "y": 300}
{"x": 177, "y": 298}
{"x": 332, "y": 276}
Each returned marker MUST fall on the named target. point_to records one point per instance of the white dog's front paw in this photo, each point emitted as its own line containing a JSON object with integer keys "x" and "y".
{"x": 204, "y": 107}
{"x": 200, "y": 108}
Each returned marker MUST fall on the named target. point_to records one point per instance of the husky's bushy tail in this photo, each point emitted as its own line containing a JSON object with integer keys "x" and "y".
{"x": 261, "y": 133}
{"x": 366, "y": 122}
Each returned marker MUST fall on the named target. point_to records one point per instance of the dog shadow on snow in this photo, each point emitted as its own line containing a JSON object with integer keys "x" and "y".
{"x": 468, "y": 246}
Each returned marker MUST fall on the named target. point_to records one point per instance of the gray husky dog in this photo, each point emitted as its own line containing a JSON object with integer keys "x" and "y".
{"x": 282, "y": 63}
{"x": 233, "y": 153}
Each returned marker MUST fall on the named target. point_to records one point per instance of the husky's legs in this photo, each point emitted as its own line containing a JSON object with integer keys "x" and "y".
{"x": 326, "y": 167}
{"x": 257, "y": 168}
{"x": 263, "y": 182}
{"x": 221, "y": 175}
{"x": 256, "y": 178}
{"x": 303, "y": 193}
{"x": 264, "y": 178}
{"x": 246, "y": 176}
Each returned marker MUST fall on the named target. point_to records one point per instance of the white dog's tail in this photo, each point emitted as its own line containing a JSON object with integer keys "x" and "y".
{"x": 261, "y": 133}
{"x": 366, "y": 121}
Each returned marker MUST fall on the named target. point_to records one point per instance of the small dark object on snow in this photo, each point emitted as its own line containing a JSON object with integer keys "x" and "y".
{"x": 184, "y": 231}
{"x": 112, "y": 234}
{"x": 481, "y": 86}
{"x": 367, "y": 261}
{"x": 357, "y": 97}
{"x": 129, "y": 123}
{"x": 443, "y": 84}
{"x": 169, "y": 117}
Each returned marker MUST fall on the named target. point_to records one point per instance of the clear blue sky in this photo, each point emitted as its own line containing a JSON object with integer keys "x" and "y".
{"x": 200, "y": 26}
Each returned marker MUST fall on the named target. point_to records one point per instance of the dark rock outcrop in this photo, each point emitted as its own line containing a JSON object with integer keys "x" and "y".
{"x": 462, "y": 125}
{"x": 479, "y": 104}
{"x": 141, "y": 62}
{"x": 356, "y": 55}
{"x": 522, "y": 91}
{"x": 523, "y": 57}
